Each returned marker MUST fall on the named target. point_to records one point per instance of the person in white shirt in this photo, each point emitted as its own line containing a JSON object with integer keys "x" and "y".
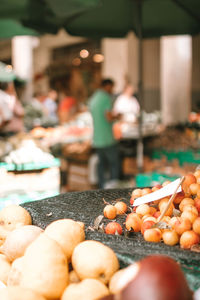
{"x": 127, "y": 105}
{"x": 6, "y": 104}
{"x": 11, "y": 110}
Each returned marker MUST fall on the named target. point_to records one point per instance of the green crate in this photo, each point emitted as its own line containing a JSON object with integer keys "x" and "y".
{"x": 19, "y": 198}
{"x": 151, "y": 179}
{"x": 30, "y": 166}
{"x": 157, "y": 154}
{"x": 189, "y": 157}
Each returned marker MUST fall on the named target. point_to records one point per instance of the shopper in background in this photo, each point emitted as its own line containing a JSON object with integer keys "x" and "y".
{"x": 50, "y": 107}
{"x": 127, "y": 105}
{"x": 67, "y": 108}
{"x": 11, "y": 110}
{"x": 100, "y": 106}
{"x": 5, "y": 99}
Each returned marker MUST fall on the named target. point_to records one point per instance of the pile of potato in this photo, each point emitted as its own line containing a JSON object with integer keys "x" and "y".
{"x": 55, "y": 263}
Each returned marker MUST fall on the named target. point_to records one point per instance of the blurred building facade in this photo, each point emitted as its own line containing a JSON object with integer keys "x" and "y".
{"x": 55, "y": 57}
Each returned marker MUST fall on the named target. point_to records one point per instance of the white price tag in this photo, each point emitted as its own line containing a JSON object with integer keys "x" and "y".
{"x": 167, "y": 190}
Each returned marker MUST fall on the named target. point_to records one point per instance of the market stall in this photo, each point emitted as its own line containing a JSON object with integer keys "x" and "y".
{"x": 163, "y": 158}
{"x": 72, "y": 143}
{"x": 27, "y": 170}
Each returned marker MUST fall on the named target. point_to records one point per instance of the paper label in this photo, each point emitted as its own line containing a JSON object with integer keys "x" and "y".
{"x": 167, "y": 190}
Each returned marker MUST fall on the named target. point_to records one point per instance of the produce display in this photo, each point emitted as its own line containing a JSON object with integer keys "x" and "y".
{"x": 180, "y": 222}
{"x": 28, "y": 171}
{"x": 150, "y": 126}
{"x": 58, "y": 263}
{"x": 28, "y": 152}
{"x": 77, "y": 130}
{"x": 167, "y": 136}
{"x": 22, "y": 149}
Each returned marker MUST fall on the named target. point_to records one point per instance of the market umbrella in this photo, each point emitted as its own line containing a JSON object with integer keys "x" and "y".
{"x": 44, "y": 16}
{"x": 147, "y": 18}
{"x": 115, "y": 18}
{"x": 10, "y": 28}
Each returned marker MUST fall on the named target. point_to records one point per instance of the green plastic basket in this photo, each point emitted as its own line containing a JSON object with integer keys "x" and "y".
{"x": 151, "y": 179}
{"x": 30, "y": 166}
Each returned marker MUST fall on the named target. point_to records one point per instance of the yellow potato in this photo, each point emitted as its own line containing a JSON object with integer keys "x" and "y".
{"x": 18, "y": 240}
{"x": 73, "y": 277}
{"x": 5, "y": 267}
{"x": 92, "y": 259}
{"x": 90, "y": 289}
{"x": 19, "y": 293}
{"x": 13, "y": 216}
{"x": 67, "y": 233}
{"x": 45, "y": 268}
{"x": 3, "y": 235}
{"x": 14, "y": 276}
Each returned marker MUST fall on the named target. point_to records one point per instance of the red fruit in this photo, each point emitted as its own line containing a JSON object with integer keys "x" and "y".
{"x": 197, "y": 173}
{"x": 179, "y": 197}
{"x": 196, "y": 226}
{"x": 170, "y": 237}
{"x": 134, "y": 209}
{"x": 182, "y": 225}
{"x": 146, "y": 225}
{"x": 194, "y": 188}
{"x": 159, "y": 278}
{"x": 136, "y": 193}
{"x": 121, "y": 208}
{"x": 197, "y": 204}
{"x": 110, "y": 211}
{"x": 146, "y": 191}
{"x": 157, "y": 214}
{"x": 153, "y": 235}
{"x": 186, "y": 201}
{"x": 188, "y": 239}
{"x": 133, "y": 222}
{"x": 132, "y": 200}
{"x": 113, "y": 228}
{"x": 156, "y": 187}
{"x": 189, "y": 179}
{"x": 152, "y": 210}
{"x": 166, "y": 183}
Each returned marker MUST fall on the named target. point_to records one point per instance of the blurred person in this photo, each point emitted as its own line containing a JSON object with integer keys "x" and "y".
{"x": 127, "y": 105}
{"x": 11, "y": 110}
{"x": 5, "y": 99}
{"x": 35, "y": 111}
{"x": 67, "y": 108}
{"x": 50, "y": 106}
{"x": 100, "y": 106}
{"x": 37, "y": 101}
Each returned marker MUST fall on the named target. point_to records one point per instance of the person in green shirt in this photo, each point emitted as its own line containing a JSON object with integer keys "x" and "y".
{"x": 100, "y": 106}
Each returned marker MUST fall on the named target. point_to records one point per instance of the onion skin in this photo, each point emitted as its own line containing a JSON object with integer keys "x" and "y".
{"x": 159, "y": 278}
